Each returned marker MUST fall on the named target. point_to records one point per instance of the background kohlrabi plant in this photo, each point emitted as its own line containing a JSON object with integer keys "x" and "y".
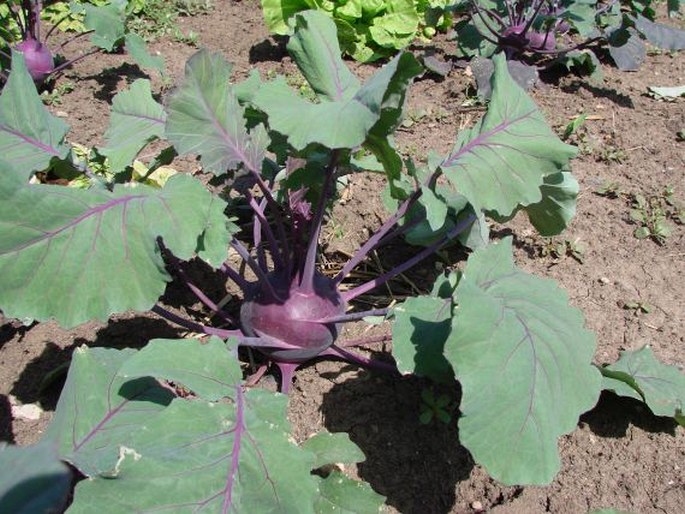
{"x": 183, "y": 412}
{"x": 536, "y": 34}
{"x": 26, "y": 26}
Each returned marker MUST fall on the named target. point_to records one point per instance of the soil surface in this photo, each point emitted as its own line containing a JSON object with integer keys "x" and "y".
{"x": 620, "y": 456}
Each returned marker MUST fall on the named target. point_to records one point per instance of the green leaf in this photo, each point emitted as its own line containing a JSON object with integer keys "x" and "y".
{"x": 208, "y": 369}
{"x": 315, "y": 49}
{"x": 421, "y": 328}
{"x": 205, "y": 118}
{"x": 660, "y": 386}
{"x": 58, "y": 246}
{"x": 557, "y": 208}
{"x": 501, "y": 162}
{"x": 225, "y": 457}
{"x": 333, "y": 449}
{"x": 136, "y": 120}
{"x": 30, "y": 137}
{"x": 107, "y": 24}
{"x": 136, "y": 46}
{"x": 98, "y": 412}
{"x": 345, "y": 114}
{"x": 33, "y": 480}
{"x": 342, "y": 495}
{"x": 522, "y": 357}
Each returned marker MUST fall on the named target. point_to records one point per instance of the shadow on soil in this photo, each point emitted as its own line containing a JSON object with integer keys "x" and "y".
{"x": 415, "y": 466}
{"x": 42, "y": 379}
{"x": 269, "y": 50}
{"x": 613, "y": 415}
{"x": 6, "y": 433}
{"x": 109, "y": 78}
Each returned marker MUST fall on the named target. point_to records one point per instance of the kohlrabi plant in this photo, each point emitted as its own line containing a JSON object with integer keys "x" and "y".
{"x": 541, "y": 33}
{"x": 22, "y": 30}
{"x": 179, "y": 425}
{"x": 368, "y": 30}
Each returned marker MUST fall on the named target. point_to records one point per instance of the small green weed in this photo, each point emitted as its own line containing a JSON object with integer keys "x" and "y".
{"x": 54, "y": 97}
{"x": 558, "y": 249}
{"x": 433, "y": 407}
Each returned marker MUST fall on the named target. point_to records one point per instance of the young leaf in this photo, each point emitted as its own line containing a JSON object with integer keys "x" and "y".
{"x": 208, "y": 369}
{"x": 136, "y": 120}
{"x": 99, "y": 411}
{"x": 205, "y": 118}
{"x": 135, "y": 45}
{"x": 345, "y": 114}
{"x": 58, "y": 245}
{"x": 315, "y": 49}
{"x": 30, "y": 137}
{"x": 278, "y": 12}
{"x": 33, "y": 480}
{"x": 502, "y": 161}
{"x": 107, "y": 24}
{"x": 660, "y": 386}
{"x": 522, "y": 357}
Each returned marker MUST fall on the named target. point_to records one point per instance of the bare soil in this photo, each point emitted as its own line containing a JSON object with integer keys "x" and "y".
{"x": 620, "y": 456}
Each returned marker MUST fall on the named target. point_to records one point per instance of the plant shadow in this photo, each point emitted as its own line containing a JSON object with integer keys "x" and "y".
{"x": 6, "y": 432}
{"x": 109, "y": 78}
{"x": 269, "y": 50}
{"x": 613, "y": 415}
{"x": 381, "y": 415}
{"x": 42, "y": 379}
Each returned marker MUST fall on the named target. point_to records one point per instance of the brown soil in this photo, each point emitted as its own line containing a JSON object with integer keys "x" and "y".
{"x": 620, "y": 456}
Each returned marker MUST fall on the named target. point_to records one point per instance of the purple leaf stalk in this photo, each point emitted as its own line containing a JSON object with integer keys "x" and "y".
{"x": 292, "y": 313}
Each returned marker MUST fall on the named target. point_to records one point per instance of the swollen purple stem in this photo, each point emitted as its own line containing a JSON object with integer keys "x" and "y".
{"x": 429, "y": 250}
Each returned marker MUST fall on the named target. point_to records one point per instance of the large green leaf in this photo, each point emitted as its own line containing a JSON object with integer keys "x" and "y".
{"x": 660, "y": 386}
{"x": 205, "y": 118}
{"x": 98, "y": 411}
{"x": 60, "y": 246}
{"x": 236, "y": 455}
{"x": 32, "y": 480}
{"x": 30, "y": 137}
{"x": 137, "y": 48}
{"x": 421, "y": 328}
{"x": 523, "y": 359}
{"x": 207, "y": 369}
{"x": 339, "y": 494}
{"x": 135, "y": 121}
{"x": 501, "y": 162}
{"x": 345, "y": 113}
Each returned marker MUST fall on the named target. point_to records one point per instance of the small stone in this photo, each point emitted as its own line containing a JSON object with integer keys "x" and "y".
{"x": 604, "y": 280}
{"x": 29, "y": 412}
{"x": 477, "y": 506}
{"x": 62, "y": 114}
